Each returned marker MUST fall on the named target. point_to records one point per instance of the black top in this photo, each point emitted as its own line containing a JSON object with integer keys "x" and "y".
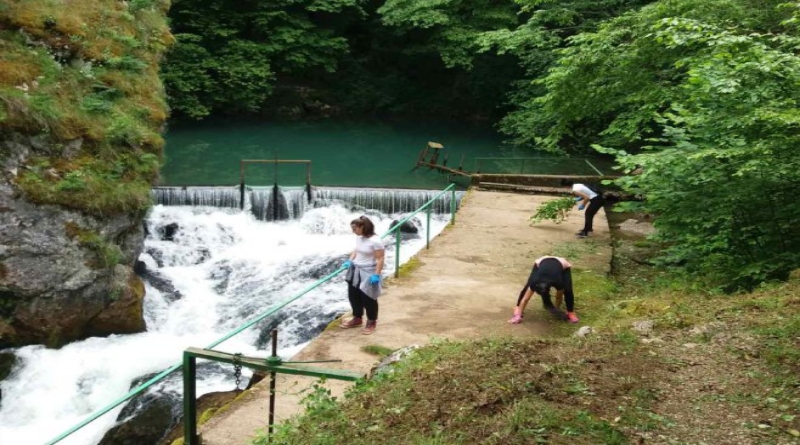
{"x": 549, "y": 272}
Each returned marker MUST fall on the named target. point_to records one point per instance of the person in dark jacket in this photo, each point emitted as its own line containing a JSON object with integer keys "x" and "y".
{"x": 548, "y": 272}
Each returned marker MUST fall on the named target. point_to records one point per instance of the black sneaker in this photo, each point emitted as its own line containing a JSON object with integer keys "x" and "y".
{"x": 582, "y": 234}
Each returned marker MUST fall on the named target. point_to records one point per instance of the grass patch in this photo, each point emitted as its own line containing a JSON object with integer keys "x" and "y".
{"x": 574, "y": 251}
{"x": 90, "y": 184}
{"x": 380, "y": 351}
{"x": 409, "y": 266}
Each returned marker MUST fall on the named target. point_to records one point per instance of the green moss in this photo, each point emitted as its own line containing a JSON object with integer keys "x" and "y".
{"x": 108, "y": 254}
{"x": 102, "y": 56}
{"x": 207, "y": 414}
{"x": 409, "y": 266}
{"x": 380, "y": 351}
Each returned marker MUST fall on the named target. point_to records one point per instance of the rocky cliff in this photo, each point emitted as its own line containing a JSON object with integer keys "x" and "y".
{"x": 64, "y": 275}
{"x": 82, "y": 110}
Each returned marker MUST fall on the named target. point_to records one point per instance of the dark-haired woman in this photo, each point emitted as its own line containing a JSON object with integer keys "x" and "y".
{"x": 548, "y": 271}
{"x": 364, "y": 268}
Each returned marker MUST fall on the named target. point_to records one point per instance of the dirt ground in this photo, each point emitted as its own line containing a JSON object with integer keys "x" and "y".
{"x": 465, "y": 286}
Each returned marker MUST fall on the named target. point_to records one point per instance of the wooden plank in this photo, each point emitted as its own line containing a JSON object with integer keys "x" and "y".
{"x": 446, "y": 169}
{"x": 525, "y": 188}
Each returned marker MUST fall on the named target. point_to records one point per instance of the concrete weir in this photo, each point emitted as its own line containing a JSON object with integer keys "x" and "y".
{"x": 464, "y": 288}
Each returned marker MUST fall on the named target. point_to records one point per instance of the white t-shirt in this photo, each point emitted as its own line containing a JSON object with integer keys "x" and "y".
{"x": 583, "y": 189}
{"x": 365, "y": 250}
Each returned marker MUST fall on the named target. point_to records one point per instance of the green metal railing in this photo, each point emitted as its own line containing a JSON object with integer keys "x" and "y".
{"x": 273, "y": 365}
{"x": 523, "y": 162}
{"x": 427, "y": 207}
{"x": 271, "y": 311}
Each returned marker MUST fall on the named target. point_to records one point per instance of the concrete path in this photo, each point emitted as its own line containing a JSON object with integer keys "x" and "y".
{"x": 465, "y": 287}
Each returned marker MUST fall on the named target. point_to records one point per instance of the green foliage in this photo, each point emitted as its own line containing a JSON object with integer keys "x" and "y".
{"x": 702, "y": 95}
{"x": 538, "y": 45}
{"x": 228, "y": 53}
{"x": 136, "y": 5}
{"x": 127, "y": 63}
{"x": 452, "y": 26}
{"x": 555, "y": 210}
{"x": 325, "y": 408}
{"x": 100, "y": 187}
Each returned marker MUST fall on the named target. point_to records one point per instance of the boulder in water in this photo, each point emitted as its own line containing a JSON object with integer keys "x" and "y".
{"x": 168, "y": 232}
{"x": 407, "y": 227}
{"x": 154, "y": 279}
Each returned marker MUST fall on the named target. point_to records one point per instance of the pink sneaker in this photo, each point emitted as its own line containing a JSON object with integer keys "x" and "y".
{"x": 370, "y": 327}
{"x": 516, "y": 319}
{"x": 354, "y": 322}
{"x": 572, "y": 317}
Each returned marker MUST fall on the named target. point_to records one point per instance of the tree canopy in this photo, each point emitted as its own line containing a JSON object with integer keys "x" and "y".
{"x": 702, "y": 95}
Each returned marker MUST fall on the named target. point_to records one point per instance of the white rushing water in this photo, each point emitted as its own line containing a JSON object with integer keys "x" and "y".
{"x": 224, "y": 267}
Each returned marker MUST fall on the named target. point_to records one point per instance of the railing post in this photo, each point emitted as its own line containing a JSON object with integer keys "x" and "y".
{"x": 189, "y": 395}
{"x": 453, "y": 206}
{"x": 397, "y": 252}
{"x": 272, "y": 380}
{"x": 428, "y": 228}
{"x": 241, "y": 195}
{"x": 241, "y": 185}
{"x": 593, "y": 167}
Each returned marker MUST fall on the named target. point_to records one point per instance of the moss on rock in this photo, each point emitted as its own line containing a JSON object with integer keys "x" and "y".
{"x": 83, "y": 76}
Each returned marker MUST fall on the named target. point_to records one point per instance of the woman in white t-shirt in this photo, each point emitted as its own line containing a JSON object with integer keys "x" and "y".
{"x": 591, "y": 201}
{"x": 364, "y": 268}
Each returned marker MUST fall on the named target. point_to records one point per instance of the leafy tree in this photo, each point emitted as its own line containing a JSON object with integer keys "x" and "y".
{"x": 448, "y": 27}
{"x": 705, "y": 98}
{"x": 608, "y": 86}
{"x": 229, "y": 53}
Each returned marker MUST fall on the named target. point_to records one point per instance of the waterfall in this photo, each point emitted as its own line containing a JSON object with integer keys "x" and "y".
{"x": 216, "y": 271}
{"x": 276, "y": 203}
{"x": 388, "y": 200}
{"x": 197, "y": 196}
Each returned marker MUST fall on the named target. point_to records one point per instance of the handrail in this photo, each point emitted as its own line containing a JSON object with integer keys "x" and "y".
{"x": 396, "y": 227}
{"x": 479, "y": 161}
{"x": 255, "y": 320}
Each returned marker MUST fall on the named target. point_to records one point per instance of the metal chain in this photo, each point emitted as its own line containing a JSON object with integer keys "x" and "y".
{"x": 237, "y": 369}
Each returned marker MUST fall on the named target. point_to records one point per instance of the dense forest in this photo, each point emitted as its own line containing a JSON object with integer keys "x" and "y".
{"x": 701, "y": 94}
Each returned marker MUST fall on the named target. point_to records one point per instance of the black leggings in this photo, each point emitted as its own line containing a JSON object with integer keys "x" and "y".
{"x": 594, "y": 206}
{"x": 360, "y": 301}
{"x": 569, "y": 296}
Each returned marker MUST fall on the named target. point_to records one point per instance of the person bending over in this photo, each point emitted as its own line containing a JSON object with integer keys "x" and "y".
{"x": 591, "y": 201}
{"x": 548, "y": 271}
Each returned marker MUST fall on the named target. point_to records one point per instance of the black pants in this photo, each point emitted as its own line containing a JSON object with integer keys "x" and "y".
{"x": 360, "y": 301}
{"x": 594, "y": 206}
